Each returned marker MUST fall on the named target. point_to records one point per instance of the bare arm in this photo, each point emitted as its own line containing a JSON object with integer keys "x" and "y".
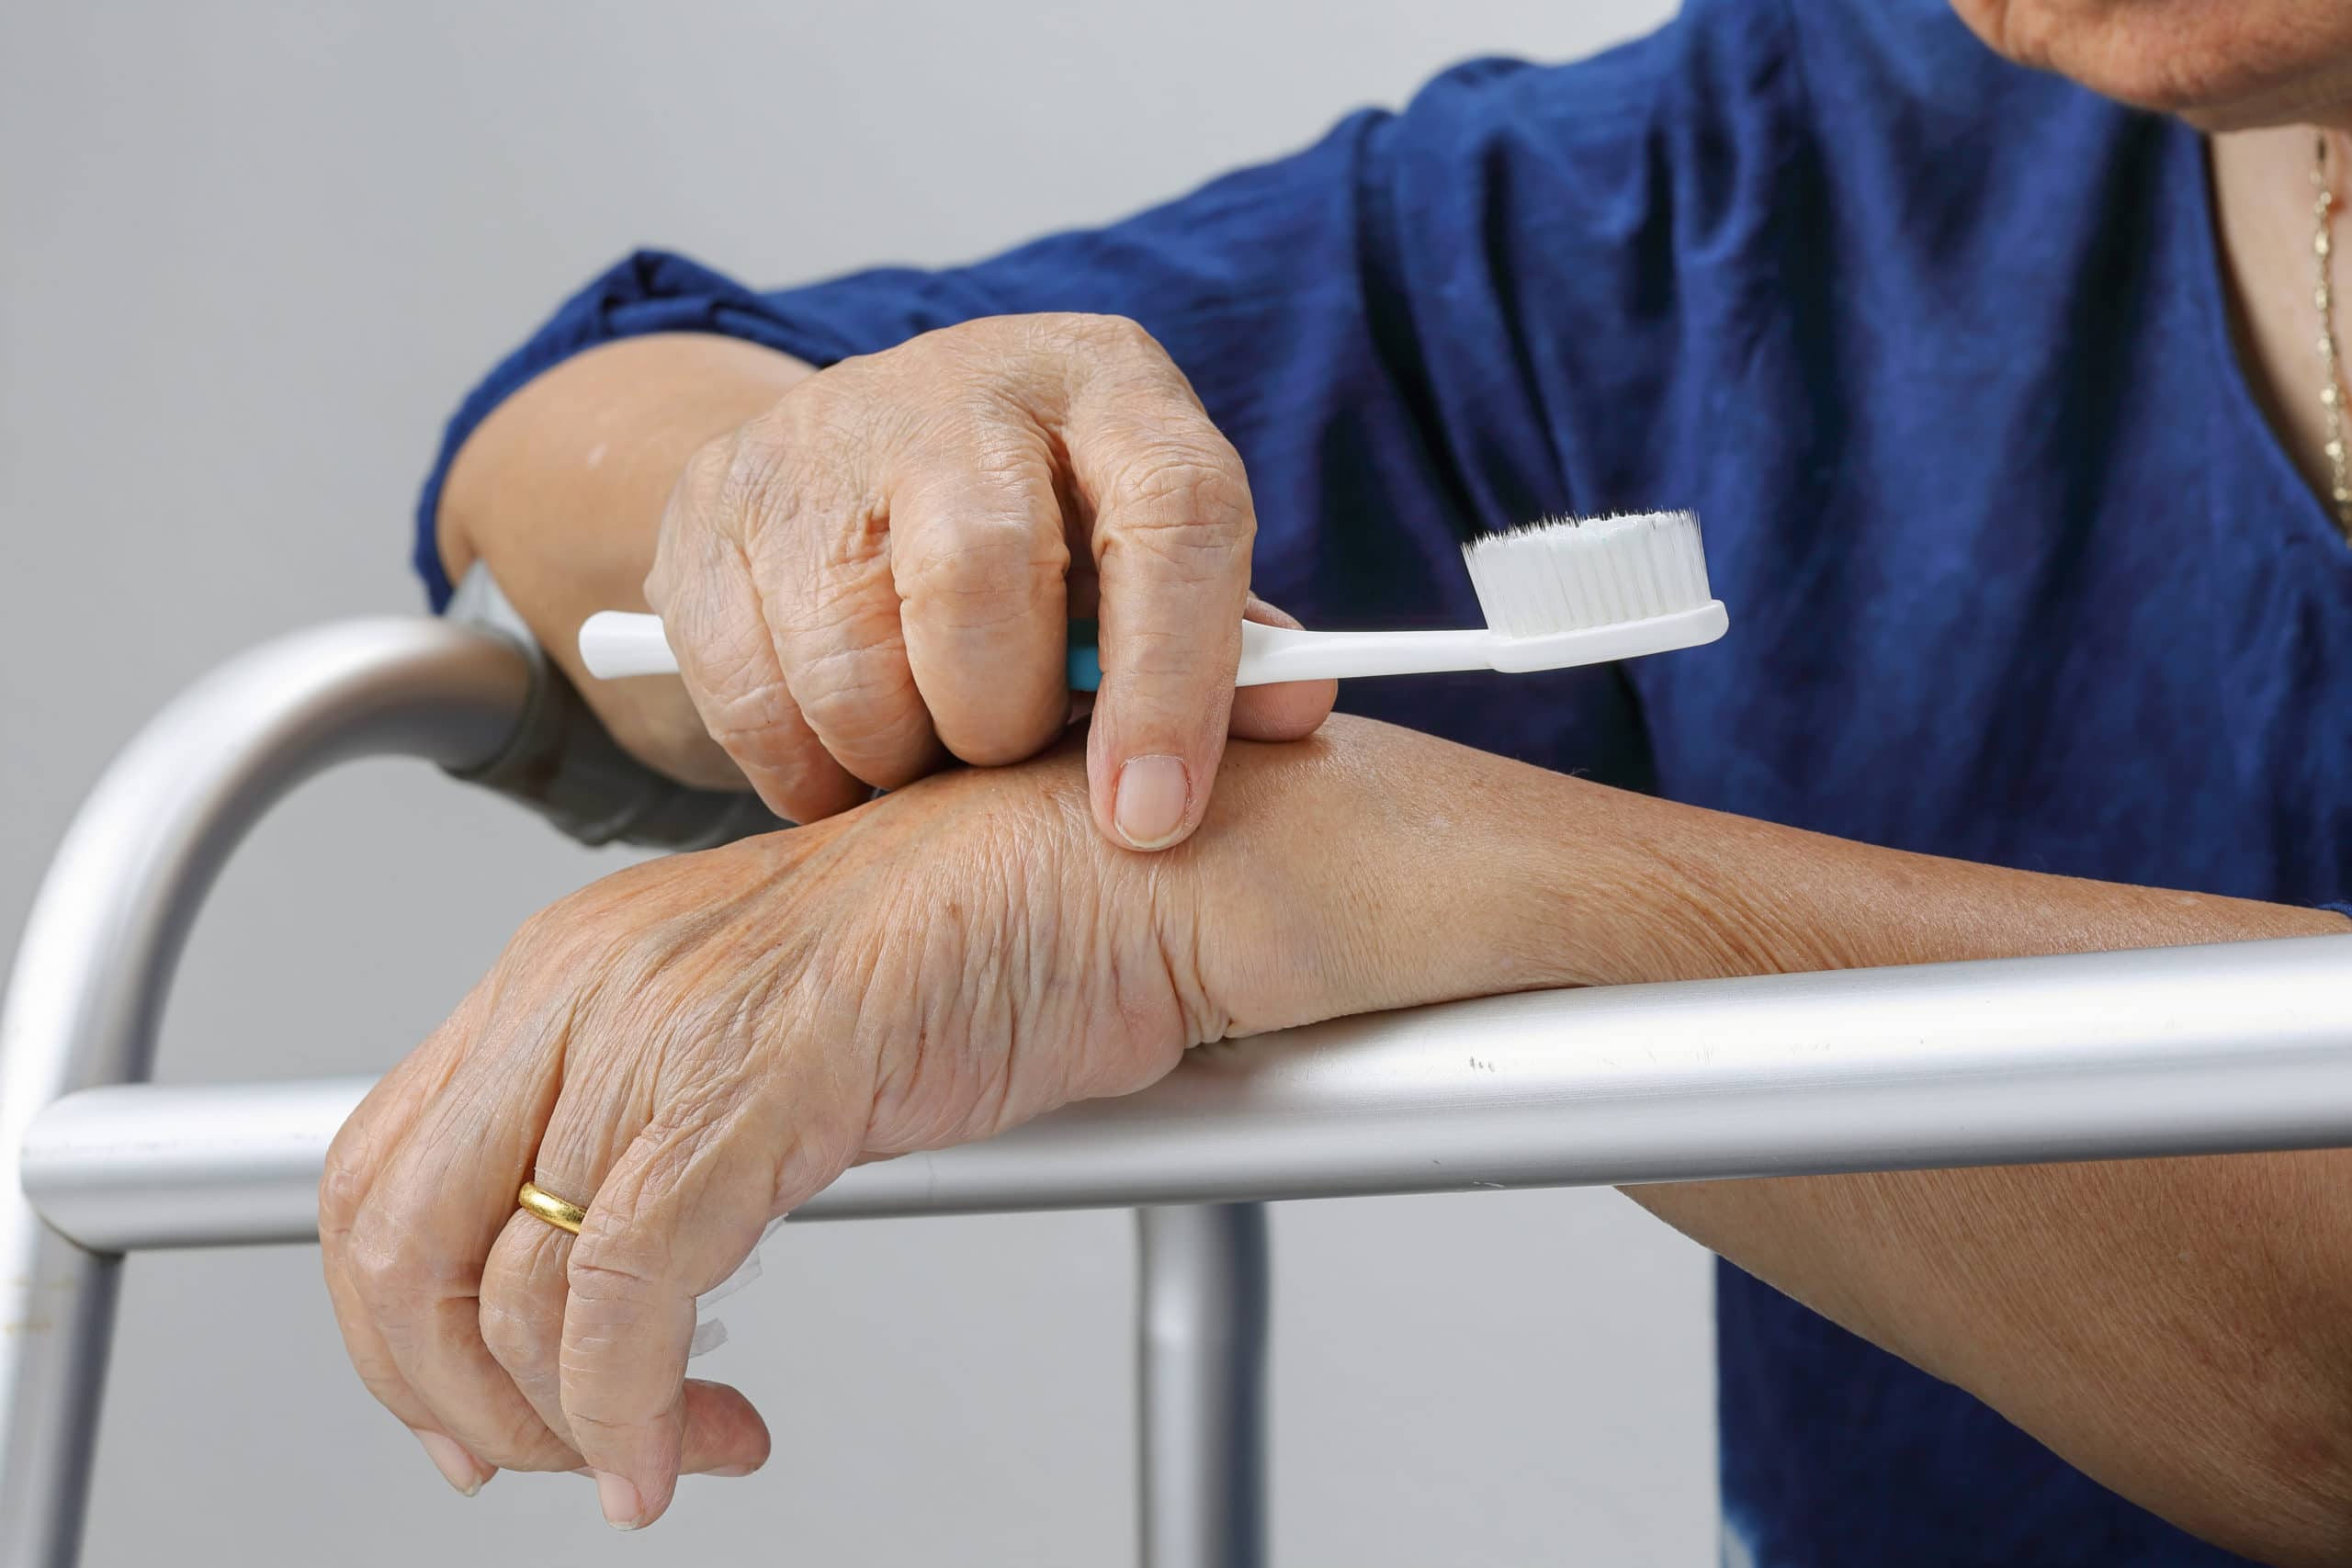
{"x": 561, "y": 491}
{"x": 2179, "y": 1329}
{"x": 2176, "y": 1329}
{"x": 2172, "y": 1327}
{"x": 868, "y": 569}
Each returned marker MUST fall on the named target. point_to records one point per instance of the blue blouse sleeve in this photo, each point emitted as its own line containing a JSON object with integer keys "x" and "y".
{"x": 1459, "y": 317}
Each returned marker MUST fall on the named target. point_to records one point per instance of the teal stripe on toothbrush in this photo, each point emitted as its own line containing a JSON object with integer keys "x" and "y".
{"x": 1085, "y": 658}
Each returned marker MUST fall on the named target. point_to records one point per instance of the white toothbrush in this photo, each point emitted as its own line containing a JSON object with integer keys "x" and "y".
{"x": 1557, "y": 594}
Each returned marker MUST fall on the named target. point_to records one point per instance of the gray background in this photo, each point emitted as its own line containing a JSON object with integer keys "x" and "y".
{"x": 249, "y": 257}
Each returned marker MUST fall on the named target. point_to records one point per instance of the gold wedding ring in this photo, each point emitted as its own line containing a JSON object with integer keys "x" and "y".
{"x": 563, "y": 1216}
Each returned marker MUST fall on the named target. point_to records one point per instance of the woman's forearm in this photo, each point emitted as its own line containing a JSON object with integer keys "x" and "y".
{"x": 2170, "y": 1326}
{"x": 2180, "y": 1329}
{"x": 561, "y": 491}
{"x": 1495, "y": 876}
{"x": 1741, "y": 896}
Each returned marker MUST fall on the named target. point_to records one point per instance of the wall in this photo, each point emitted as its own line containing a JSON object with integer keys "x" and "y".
{"x": 249, "y": 257}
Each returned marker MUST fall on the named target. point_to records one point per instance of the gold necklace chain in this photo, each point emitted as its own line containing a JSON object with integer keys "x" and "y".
{"x": 2331, "y": 392}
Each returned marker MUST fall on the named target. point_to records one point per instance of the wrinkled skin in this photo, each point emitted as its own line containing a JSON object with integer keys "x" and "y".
{"x": 695, "y": 1046}
{"x": 877, "y": 573}
{"x": 874, "y": 575}
{"x": 2220, "y": 65}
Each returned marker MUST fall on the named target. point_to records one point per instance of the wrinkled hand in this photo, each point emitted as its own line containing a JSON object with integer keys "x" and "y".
{"x": 879, "y": 572}
{"x": 697, "y": 1044}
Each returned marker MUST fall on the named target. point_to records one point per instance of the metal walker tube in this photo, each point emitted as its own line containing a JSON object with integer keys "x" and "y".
{"x": 79, "y": 1026}
{"x": 1201, "y": 1353}
{"x": 97, "y": 953}
{"x": 2104, "y": 1055}
{"x": 2199, "y": 1050}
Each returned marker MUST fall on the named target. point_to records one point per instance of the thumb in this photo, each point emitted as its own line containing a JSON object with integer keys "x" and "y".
{"x": 1173, "y": 525}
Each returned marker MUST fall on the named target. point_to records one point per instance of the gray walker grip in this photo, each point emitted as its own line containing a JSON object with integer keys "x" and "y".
{"x": 562, "y": 763}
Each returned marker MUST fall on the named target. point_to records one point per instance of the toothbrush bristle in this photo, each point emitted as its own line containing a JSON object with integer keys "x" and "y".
{"x": 1565, "y": 574}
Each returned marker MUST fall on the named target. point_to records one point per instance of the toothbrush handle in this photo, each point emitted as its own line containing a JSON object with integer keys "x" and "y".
{"x": 614, "y": 644}
{"x": 1269, "y": 654}
{"x": 1280, "y": 653}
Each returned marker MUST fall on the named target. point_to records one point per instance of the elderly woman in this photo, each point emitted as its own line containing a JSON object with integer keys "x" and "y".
{"x": 1999, "y": 354}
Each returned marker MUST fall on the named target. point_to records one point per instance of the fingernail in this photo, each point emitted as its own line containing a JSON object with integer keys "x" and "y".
{"x": 458, "y": 1467}
{"x": 616, "y": 1494}
{"x": 732, "y": 1472}
{"x": 1149, "y": 807}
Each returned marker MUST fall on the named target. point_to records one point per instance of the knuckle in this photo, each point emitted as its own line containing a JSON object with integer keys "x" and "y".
{"x": 958, "y": 343}
{"x": 1121, "y": 335}
{"x": 1162, "y": 657}
{"x": 520, "y": 1305}
{"x": 394, "y": 1274}
{"x": 551, "y": 925}
{"x": 755, "y": 728}
{"x": 706, "y": 1097}
{"x": 342, "y": 1186}
{"x": 731, "y": 659}
{"x": 1190, "y": 510}
{"x": 998, "y": 345}
{"x": 664, "y": 579}
{"x": 609, "y": 1272}
{"x": 552, "y": 940}
{"x": 701, "y": 487}
{"x": 614, "y": 1294}
{"x": 620, "y": 1252}
{"x": 1183, "y": 484}
{"x": 827, "y": 422}
{"x": 994, "y": 341}
{"x": 763, "y": 479}
{"x": 863, "y": 711}
{"x": 693, "y": 520}
{"x": 683, "y": 545}
{"x": 981, "y": 443}
{"x": 744, "y": 701}
{"x": 796, "y": 470}
{"x": 517, "y": 1337}
{"x": 994, "y": 570}
{"x": 707, "y": 468}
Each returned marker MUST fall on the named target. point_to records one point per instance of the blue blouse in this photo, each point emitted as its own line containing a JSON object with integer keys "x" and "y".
{"x": 1938, "y": 348}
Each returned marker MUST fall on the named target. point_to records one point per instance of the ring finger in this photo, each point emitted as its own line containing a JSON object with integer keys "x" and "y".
{"x": 523, "y": 1299}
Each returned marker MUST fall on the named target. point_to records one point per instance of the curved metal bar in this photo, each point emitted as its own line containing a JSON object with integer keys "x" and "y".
{"x": 2108, "y": 1055}
{"x": 97, "y": 953}
{"x": 2185, "y": 1051}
